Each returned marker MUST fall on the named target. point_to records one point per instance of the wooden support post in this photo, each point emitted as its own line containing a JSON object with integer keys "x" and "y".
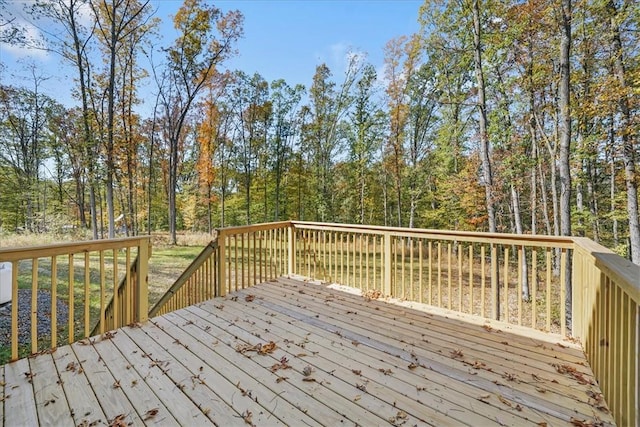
{"x": 387, "y": 265}
{"x": 142, "y": 281}
{"x": 291, "y": 235}
{"x": 222, "y": 265}
{"x": 495, "y": 294}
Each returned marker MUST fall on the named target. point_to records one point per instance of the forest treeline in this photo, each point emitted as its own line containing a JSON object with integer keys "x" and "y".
{"x": 505, "y": 116}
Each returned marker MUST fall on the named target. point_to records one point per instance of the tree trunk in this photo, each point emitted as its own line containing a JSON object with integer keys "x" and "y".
{"x": 484, "y": 137}
{"x": 565, "y": 138}
{"x": 627, "y": 134}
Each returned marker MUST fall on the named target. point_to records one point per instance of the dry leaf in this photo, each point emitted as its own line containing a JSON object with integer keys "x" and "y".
{"x": 280, "y": 379}
{"x": 455, "y": 354}
{"x": 358, "y": 397}
{"x": 116, "y": 384}
{"x": 307, "y": 370}
{"x": 412, "y": 366}
{"x": 249, "y": 298}
{"x": 385, "y": 371}
{"x": 150, "y": 414}
{"x": 357, "y": 372}
{"x": 542, "y": 424}
{"x": 505, "y": 401}
{"x": 118, "y": 421}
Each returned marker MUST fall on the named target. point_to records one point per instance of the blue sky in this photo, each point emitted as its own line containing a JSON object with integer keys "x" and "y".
{"x": 283, "y": 38}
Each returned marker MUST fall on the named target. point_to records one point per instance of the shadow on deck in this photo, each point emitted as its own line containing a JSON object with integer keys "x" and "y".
{"x": 288, "y": 352}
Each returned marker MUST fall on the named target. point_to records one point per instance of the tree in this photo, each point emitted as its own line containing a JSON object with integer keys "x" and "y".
{"x": 118, "y": 22}
{"x": 205, "y": 39}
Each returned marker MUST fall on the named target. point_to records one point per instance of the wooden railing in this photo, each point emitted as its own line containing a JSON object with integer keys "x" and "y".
{"x": 83, "y": 275}
{"x": 476, "y": 273}
{"x": 119, "y": 310}
{"x": 238, "y": 258}
{"x": 480, "y": 274}
{"x": 196, "y": 284}
{"x": 606, "y": 319}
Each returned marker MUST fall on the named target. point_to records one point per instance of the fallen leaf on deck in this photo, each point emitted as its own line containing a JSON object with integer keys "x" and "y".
{"x": 118, "y": 421}
{"x": 412, "y": 366}
{"x": 358, "y": 397}
{"x": 455, "y": 354}
{"x": 309, "y": 379}
{"x": 249, "y": 298}
{"x": 509, "y": 376}
{"x": 372, "y": 294}
{"x": 307, "y": 370}
{"x": 487, "y": 328}
{"x": 572, "y": 372}
{"x": 505, "y": 401}
{"x": 357, "y": 372}
{"x": 542, "y": 424}
{"x": 280, "y": 379}
{"x": 541, "y": 390}
{"x": 585, "y": 423}
{"x": 385, "y": 371}
{"x": 478, "y": 365}
{"x": 71, "y": 366}
{"x": 116, "y": 384}
{"x": 150, "y": 414}
{"x": 247, "y": 417}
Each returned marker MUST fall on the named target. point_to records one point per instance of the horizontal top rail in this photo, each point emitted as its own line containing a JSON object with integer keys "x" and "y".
{"x": 625, "y": 273}
{"x": 29, "y": 252}
{"x": 230, "y": 231}
{"x": 537, "y": 240}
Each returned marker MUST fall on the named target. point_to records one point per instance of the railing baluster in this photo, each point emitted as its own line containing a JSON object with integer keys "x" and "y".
{"x": 102, "y": 292}
{"x": 471, "y": 311}
{"x": 14, "y": 310}
{"x": 483, "y": 274}
{"x": 506, "y": 284}
{"x": 71, "y": 317}
{"x": 548, "y": 289}
{"x": 420, "y": 271}
{"x": 34, "y": 306}
{"x": 459, "y": 255}
{"x": 54, "y": 302}
{"x": 87, "y": 295}
{"x": 439, "y": 274}
{"x": 521, "y": 262}
{"x": 534, "y": 287}
{"x": 449, "y": 278}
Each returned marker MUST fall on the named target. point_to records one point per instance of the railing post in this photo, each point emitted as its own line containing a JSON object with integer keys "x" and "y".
{"x": 222, "y": 265}
{"x": 495, "y": 294}
{"x": 386, "y": 285}
{"x": 142, "y": 290}
{"x": 291, "y": 250}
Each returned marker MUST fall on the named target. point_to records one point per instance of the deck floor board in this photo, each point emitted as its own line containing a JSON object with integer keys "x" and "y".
{"x": 339, "y": 359}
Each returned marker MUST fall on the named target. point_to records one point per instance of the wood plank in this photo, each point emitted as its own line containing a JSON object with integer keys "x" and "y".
{"x": 150, "y": 369}
{"x": 524, "y": 346}
{"x": 51, "y": 401}
{"x": 327, "y": 373}
{"x": 382, "y": 375}
{"x": 524, "y": 394}
{"x": 134, "y": 387}
{"x": 263, "y": 391}
{"x": 83, "y": 405}
{"x": 310, "y": 390}
{"x": 195, "y": 384}
{"x": 113, "y": 401}
{"x": 446, "y": 340}
{"x": 19, "y": 403}
{"x": 336, "y": 320}
{"x": 428, "y": 388}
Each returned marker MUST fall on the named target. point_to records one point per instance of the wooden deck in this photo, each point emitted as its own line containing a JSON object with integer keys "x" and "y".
{"x": 294, "y": 353}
